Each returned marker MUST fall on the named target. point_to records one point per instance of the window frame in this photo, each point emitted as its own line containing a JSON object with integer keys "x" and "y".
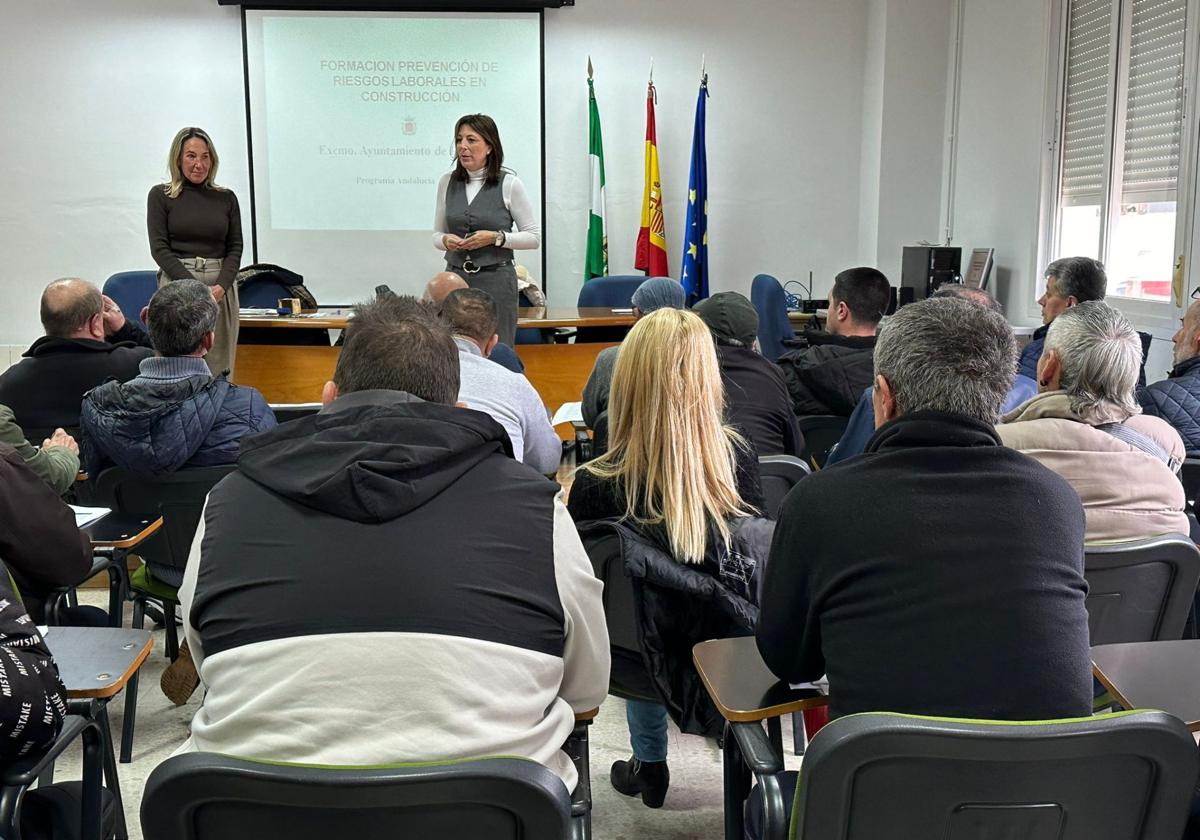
{"x": 1160, "y": 318}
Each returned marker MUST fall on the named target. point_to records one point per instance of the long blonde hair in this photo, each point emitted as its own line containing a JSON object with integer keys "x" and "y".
{"x": 669, "y": 447}
{"x": 185, "y": 134}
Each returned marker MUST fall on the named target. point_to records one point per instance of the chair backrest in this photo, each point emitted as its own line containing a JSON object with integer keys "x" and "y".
{"x": 132, "y": 290}
{"x": 1127, "y": 776}
{"x": 614, "y": 291}
{"x": 293, "y": 411}
{"x": 779, "y": 474}
{"x": 769, "y": 300}
{"x": 821, "y": 432}
{"x": 1140, "y": 591}
{"x": 1189, "y": 476}
{"x": 178, "y": 497}
{"x": 600, "y": 434}
{"x": 203, "y": 796}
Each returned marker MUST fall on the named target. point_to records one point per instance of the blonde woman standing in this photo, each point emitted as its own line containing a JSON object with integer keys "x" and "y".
{"x": 675, "y": 472}
{"x": 195, "y": 229}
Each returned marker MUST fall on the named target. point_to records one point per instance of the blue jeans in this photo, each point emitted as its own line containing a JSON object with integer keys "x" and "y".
{"x": 647, "y": 729}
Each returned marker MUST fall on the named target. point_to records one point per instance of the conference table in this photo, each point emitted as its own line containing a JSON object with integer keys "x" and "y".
{"x": 296, "y": 373}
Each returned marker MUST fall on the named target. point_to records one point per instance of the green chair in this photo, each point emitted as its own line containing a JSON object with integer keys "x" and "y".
{"x": 179, "y": 498}
{"x": 1122, "y": 776}
{"x": 203, "y": 796}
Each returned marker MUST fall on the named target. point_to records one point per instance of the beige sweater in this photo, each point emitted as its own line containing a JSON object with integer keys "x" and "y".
{"x": 1126, "y": 494}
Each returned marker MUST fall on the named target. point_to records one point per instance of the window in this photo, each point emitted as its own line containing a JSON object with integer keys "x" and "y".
{"x": 1121, "y": 124}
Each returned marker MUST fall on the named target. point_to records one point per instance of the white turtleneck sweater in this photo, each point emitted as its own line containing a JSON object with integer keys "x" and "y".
{"x": 528, "y": 234}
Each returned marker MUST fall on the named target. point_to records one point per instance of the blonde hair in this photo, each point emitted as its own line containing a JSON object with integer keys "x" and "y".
{"x": 185, "y": 134}
{"x": 669, "y": 447}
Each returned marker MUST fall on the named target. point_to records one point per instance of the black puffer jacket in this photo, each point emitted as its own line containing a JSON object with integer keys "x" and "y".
{"x": 829, "y": 375}
{"x": 677, "y": 606}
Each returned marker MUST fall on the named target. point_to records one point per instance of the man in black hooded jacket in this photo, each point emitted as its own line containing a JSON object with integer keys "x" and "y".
{"x": 382, "y": 582}
{"x": 829, "y": 374}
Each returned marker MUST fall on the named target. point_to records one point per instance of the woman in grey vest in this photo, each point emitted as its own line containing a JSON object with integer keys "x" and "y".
{"x": 195, "y": 230}
{"x": 478, "y": 203}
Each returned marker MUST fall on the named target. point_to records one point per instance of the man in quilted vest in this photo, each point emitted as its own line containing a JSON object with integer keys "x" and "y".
{"x": 1176, "y": 399}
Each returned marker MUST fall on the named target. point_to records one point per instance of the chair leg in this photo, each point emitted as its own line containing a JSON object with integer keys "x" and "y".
{"x": 172, "y": 633}
{"x": 797, "y": 734}
{"x": 736, "y": 787}
{"x": 139, "y": 612}
{"x": 10, "y": 812}
{"x": 92, "y": 812}
{"x": 130, "y": 717}
{"x": 118, "y": 588}
{"x": 775, "y": 733}
{"x": 110, "y": 771}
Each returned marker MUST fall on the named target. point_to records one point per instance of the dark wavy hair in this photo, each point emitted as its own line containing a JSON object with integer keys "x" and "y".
{"x": 485, "y": 127}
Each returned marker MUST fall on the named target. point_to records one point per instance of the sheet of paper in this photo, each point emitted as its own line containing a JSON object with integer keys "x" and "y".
{"x": 571, "y": 412}
{"x": 258, "y": 312}
{"x": 85, "y": 516}
{"x": 821, "y": 685}
{"x": 622, "y": 311}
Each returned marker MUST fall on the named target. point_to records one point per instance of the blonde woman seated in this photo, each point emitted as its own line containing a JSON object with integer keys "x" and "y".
{"x": 679, "y": 476}
{"x": 1086, "y": 425}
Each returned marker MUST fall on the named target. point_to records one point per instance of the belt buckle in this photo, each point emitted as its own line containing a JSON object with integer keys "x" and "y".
{"x": 470, "y": 267}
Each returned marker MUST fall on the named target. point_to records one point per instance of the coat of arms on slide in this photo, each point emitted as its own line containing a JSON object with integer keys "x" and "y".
{"x": 409, "y": 126}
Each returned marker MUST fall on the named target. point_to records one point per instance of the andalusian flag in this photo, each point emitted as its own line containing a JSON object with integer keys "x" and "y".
{"x": 651, "y": 253}
{"x": 694, "y": 274}
{"x": 596, "y": 261}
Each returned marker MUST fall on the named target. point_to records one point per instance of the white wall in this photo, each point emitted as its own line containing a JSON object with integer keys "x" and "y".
{"x": 904, "y": 107}
{"x": 93, "y": 93}
{"x": 999, "y": 152}
{"x": 784, "y": 121}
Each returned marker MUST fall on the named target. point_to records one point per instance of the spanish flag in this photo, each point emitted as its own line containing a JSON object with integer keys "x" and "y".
{"x": 651, "y": 253}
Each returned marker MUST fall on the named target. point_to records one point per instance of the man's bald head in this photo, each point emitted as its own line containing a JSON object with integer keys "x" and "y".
{"x": 442, "y": 284}
{"x": 73, "y": 308}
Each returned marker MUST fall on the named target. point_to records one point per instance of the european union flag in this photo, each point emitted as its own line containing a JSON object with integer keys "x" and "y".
{"x": 694, "y": 274}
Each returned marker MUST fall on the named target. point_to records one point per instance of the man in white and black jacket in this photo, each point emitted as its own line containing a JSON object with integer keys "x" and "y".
{"x": 382, "y": 582}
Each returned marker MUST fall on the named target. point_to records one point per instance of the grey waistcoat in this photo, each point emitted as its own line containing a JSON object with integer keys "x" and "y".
{"x": 486, "y": 212}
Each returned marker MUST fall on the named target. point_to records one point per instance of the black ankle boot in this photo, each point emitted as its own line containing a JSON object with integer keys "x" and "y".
{"x": 649, "y": 778}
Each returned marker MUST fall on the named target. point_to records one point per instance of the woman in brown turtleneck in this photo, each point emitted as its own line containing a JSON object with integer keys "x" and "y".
{"x": 195, "y": 231}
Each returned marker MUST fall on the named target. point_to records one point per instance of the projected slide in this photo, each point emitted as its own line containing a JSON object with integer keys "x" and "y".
{"x": 352, "y": 118}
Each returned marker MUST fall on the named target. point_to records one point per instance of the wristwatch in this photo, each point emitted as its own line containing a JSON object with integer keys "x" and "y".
{"x": 500, "y": 238}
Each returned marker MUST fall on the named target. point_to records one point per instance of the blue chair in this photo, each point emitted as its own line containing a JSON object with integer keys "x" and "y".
{"x": 132, "y": 290}
{"x": 612, "y": 292}
{"x": 615, "y": 291}
{"x": 774, "y": 328}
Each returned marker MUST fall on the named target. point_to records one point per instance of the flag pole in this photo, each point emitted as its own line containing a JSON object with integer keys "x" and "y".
{"x": 589, "y": 68}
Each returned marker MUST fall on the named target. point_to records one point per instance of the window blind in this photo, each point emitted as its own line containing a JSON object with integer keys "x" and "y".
{"x": 1154, "y": 104}
{"x": 1087, "y": 115}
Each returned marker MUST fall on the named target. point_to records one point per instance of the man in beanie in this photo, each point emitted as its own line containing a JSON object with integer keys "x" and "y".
{"x": 756, "y": 395}
{"x": 654, "y": 294}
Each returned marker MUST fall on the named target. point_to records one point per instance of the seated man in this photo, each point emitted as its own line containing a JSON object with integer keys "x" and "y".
{"x": 862, "y": 421}
{"x": 940, "y": 573}
{"x": 445, "y": 282}
{"x": 39, "y": 542}
{"x": 56, "y": 461}
{"x": 507, "y": 397}
{"x": 1176, "y": 399}
{"x": 1069, "y": 281}
{"x": 756, "y": 397}
{"x": 461, "y": 617}
{"x": 174, "y": 413}
{"x": 654, "y": 294}
{"x": 829, "y": 374}
{"x": 87, "y": 341}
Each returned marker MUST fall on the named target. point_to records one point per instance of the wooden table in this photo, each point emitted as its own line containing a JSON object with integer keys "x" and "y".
{"x": 1153, "y": 675}
{"x": 118, "y": 532}
{"x": 742, "y": 687}
{"x": 745, "y": 691}
{"x": 95, "y": 664}
{"x": 297, "y": 373}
